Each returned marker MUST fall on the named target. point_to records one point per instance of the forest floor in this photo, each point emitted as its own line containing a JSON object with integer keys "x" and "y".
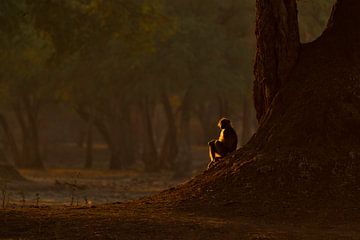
{"x": 68, "y": 203}
{"x": 142, "y": 221}
{"x": 103, "y": 208}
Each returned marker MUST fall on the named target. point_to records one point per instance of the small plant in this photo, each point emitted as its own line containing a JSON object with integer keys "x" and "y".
{"x": 3, "y": 194}
{"x": 37, "y": 199}
{"x": 86, "y": 201}
{"x": 8, "y": 199}
{"x": 72, "y": 196}
{"x": 23, "y": 200}
{"x": 74, "y": 188}
{"x": 3, "y": 198}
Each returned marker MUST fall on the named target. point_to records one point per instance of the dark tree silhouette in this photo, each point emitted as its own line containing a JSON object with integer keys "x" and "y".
{"x": 307, "y": 147}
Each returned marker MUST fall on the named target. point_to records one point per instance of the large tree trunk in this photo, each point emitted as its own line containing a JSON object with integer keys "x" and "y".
{"x": 278, "y": 45}
{"x": 124, "y": 147}
{"x": 306, "y": 151}
{"x": 246, "y": 120}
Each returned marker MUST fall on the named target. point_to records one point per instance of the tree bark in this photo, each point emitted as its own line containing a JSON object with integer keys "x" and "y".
{"x": 10, "y": 139}
{"x": 7, "y": 171}
{"x": 31, "y": 109}
{"x": 26, "y": 113}
{"x": 278, "y": 46}
{"x": 308, "y": 142}
{"x": 169, "y": 150}
{"x": 25, "y": 137}
{"x": 184, "y": 159}
{"x": 149, "y": 153}
{"x": 117, "y": 133}
{"x": 102, "y": 129}
{"x": 89, "y": 144}
{"x": 124, "y": 146}
{"x": 246, "y": 120}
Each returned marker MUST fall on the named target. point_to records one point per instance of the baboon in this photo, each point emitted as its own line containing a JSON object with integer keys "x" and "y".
{"x": 226, "y": 143}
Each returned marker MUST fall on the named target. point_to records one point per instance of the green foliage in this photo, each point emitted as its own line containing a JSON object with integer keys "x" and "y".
{"x": 210, "y": 53}
{"x": 137, "y": 45}
{"x": 24, "y": 55}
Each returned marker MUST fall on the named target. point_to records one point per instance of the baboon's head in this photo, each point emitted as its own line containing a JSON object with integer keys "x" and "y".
{"x": 224, "y": 123}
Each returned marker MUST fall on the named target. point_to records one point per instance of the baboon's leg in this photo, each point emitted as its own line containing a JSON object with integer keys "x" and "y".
{"x": 212, "y": 152}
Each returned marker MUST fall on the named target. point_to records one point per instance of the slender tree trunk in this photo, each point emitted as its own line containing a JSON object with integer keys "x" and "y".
{"x": 10, "y": 139}
{"x": 81, "y": 136}
{"x": 184, "y": 159}
{"x": 129, "y": 145}
{"x": 31, "y": 110}
{"x": 114, "y": 146}
{"x": 169, "y": 150}
{"x": 27, "y": 119}
{"x": 89, "y": 145}
{"x": 149, "y": 154}
{"x": 116, "y": 133}
{"x": 123, "y": 140}
{"x": 100, "y": 127}
{"x": 122, "y": 154}
{"x": 25, "y": 136}
{"x": 7, "y": 171}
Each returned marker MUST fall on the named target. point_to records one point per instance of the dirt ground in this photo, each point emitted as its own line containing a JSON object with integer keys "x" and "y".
{"x": 60, "y": 203}
{"x": 73, "y": 204}
{"x": 141, "y": 221}
{"x": 66, "y": 182}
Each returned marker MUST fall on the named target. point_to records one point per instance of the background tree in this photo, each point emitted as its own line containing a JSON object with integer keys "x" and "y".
{"x": 163, "y": 70}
